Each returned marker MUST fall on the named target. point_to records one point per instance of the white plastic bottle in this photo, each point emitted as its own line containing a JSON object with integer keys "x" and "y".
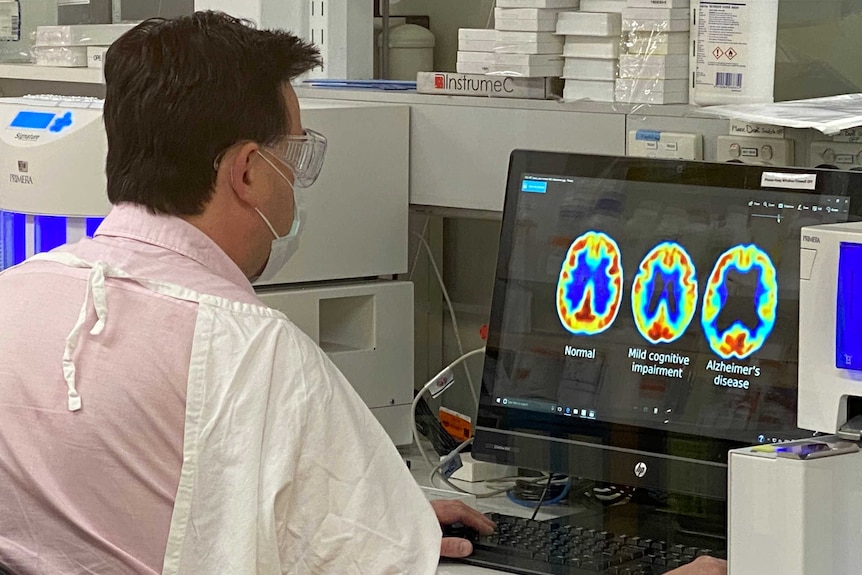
{"x": 735, "y": 51}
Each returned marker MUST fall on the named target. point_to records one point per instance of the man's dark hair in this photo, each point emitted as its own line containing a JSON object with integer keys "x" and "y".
{"x": 181, "y": 91}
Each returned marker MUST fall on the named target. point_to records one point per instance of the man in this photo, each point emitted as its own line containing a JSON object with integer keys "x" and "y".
{"x": 156, "y": 417}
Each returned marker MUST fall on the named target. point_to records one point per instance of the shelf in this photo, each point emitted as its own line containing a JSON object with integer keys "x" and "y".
{"x": 51, "y": 73}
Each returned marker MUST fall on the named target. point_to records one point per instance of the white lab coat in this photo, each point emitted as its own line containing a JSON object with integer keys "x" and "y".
{"x": 284, "y": 469}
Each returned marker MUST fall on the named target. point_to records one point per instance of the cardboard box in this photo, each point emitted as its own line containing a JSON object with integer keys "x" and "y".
{"x": 452, "y": 84}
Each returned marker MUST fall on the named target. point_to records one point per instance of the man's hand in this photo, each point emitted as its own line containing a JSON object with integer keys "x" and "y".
{"x": 702, "y": 566}
{"x": 451, "y": 511}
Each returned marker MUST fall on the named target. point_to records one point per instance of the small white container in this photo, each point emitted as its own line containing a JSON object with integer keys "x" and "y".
{"x": 411, "y": 50}
{"x": 735, "y": 46}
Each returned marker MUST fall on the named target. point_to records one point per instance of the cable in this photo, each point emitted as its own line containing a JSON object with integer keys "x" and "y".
{"x": 445, "y": 479}
{"x": 433, "y": 381}
{"x": 542, "y": 496}
{"x": 530, "y": 494}
{"x": 418, "y": 250}
{"x": 428, "y": 424}
{"x": 473, "y": 389}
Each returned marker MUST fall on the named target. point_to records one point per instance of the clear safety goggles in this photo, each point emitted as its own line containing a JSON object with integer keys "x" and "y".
{"x": 303, "y": 155}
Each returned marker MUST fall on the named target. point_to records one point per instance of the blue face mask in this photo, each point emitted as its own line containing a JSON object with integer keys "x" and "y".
{"x": 282, "y": 247}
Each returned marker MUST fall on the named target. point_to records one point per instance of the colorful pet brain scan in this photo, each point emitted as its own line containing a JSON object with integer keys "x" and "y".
{"x": 664, "y": 293}
{"x": 590, "y": 287}
{"x": 738, "y": 341}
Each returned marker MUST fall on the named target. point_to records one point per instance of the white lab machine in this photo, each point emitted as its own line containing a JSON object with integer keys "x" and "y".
{"x": 354, "y": 228}
{"x": 795, "y": 508}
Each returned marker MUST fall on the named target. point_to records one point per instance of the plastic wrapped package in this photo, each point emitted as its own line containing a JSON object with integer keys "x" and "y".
{"x": 80, "y": 34}
{"x": 673, "y": 67}
{"x": 543, "y": 42}
{"x": 651, "y": 91}
{"x": 656, "y": 43}
{"x": 656, "y": 20}
{"x": 655, "y": 65}
{"x": 61, "y": 56}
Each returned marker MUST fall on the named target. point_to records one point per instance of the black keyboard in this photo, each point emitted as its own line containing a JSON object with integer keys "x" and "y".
{"x": 533, "y": 547}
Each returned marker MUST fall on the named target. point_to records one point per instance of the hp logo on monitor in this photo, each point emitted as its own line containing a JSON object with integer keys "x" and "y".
{"x": 640, "y": 469}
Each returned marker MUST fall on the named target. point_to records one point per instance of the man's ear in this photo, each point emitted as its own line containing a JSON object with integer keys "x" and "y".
{"x": 236, "y": 171}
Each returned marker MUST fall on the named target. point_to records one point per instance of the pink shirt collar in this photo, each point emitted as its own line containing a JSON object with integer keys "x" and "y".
{"x": 135, "y": 222}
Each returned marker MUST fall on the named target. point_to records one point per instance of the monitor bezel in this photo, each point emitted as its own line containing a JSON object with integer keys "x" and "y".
{"x": 639, "y": 456}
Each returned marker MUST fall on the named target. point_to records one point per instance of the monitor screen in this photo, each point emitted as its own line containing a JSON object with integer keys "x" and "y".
{"x": 645, "y": 315}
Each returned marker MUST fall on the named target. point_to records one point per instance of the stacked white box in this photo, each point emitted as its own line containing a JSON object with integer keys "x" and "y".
{"x": 475, "y": 51}
{"x": 476, "y": 40}
{"x": 591, "y": 52}
{"x": 525, "y": 19}
{"x": 559, "y": 4}
{"x": 654, "y": 68}
{"x": 603, "y": 5}
{"x": 68, "y": 46}
{"x": 526, "y": 43}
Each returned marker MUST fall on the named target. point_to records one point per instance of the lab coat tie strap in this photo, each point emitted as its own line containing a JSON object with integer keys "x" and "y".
{"x": 95, "y": 286}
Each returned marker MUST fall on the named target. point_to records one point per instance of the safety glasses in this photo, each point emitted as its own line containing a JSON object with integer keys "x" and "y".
{"x": 303, "y": 154}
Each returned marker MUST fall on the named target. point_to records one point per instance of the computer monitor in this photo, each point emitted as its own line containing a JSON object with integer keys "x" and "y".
{"x": 645, "y": 315}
